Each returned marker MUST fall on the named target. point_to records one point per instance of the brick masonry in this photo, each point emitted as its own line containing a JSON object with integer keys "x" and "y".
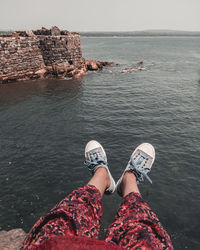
{"x": 20, "y": 58}
{"x": 43, "y": 53}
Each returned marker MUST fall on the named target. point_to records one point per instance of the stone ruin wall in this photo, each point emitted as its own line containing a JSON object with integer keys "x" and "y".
{"x": 19, "y": 58}
{"x": 37, "y": 53}
{"x": 43, "y": 53}
{"x": 59, "y": 49}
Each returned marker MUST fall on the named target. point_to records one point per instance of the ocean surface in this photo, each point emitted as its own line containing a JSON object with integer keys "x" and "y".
{"x": 44, "y": 126}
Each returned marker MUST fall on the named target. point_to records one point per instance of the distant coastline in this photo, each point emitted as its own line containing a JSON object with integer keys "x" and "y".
{"x": 140, "y": 33}
{"x": 130, "y": 33}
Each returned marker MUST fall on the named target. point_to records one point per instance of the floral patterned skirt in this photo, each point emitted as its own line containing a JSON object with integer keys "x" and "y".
{"x": 135, "y": 225}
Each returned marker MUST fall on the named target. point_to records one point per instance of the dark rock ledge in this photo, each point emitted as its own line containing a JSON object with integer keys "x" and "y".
{"x": 44, "y": 53}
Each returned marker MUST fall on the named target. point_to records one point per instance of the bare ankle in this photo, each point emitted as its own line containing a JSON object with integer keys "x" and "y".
{"x": 129, "y": 176}
{"x": 104, "y": 173}
{"x": 129, "y": 183}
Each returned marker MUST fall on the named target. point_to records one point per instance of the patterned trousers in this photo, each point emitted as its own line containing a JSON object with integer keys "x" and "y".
{"x": 135, "y": 225}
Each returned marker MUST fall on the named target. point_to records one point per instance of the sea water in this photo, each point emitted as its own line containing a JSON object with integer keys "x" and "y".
{"x": 44, "y": 126}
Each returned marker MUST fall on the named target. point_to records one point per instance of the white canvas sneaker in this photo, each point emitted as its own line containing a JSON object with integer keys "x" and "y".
{"x": 95, "y": 157}
{"x": 140, "y": 164}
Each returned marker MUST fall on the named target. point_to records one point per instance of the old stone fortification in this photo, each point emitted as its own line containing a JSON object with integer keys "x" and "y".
{"x": 43, "y": 53}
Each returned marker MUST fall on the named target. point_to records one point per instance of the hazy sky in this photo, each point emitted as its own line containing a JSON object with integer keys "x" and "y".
{"x": 101, "y": 15}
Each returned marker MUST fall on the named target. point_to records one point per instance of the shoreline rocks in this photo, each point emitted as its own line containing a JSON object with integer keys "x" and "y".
{"x": 138, "y": 66}
{"x": 44, "y": 53}
{"x": 97, "y": 65}
{"x": 11, "y": 240}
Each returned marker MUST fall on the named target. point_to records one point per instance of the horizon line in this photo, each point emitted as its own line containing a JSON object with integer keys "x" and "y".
{"x": 100, "y": 31}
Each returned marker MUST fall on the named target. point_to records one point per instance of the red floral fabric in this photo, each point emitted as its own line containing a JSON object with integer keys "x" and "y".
{"x": 137, "y": 227}
{"x": 75, "y": 243}
{"x": 76, "y": 221}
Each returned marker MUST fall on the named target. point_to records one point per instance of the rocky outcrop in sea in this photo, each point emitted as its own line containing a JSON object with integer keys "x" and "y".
{"x": 44, "y": 53}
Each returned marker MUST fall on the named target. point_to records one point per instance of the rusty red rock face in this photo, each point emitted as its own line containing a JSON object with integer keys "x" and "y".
{"x": 43, "y": 54}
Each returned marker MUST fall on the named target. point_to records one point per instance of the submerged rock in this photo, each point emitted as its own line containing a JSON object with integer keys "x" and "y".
{"x": 138, "y": 66}
{"x": 127, "y": 70}
{"x": 97, "y": 65}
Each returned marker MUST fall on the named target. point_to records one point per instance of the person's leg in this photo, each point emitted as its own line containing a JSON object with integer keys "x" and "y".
{"x": 136, "y": 226}
{"x": 76, "y": 215}
{"x": 100, "y": 180}
{"x": 129, "y": 184}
